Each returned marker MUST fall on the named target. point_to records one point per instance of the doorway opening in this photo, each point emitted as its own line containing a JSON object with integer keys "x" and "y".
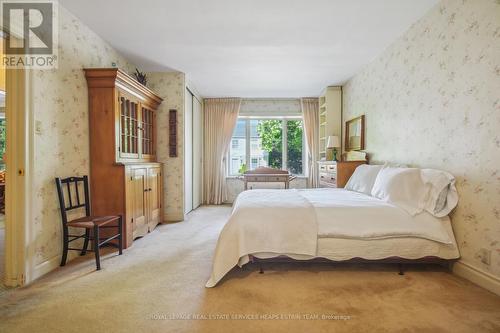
{"x": 3, "y": 145}
{"x": 16, "y": 144}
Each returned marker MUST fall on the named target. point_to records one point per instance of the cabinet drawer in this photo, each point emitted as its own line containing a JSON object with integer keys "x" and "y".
{"x": 328, "y": 177}
{"x": 331, "y": 168}
{"x": 328, "y": 167}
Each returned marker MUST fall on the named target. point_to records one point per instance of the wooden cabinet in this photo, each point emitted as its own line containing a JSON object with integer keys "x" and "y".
{"x": 336, "y": 174}
{"x": 124, "y": 176}
{"x": 154, "y": 196}
{"x": 143, "y": 192}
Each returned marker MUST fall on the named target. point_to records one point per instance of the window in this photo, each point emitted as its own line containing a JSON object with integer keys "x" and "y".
{"x": 254, "y": 163}
{"x": 235, "y": 164}
{"x": 294, "y": 147}
{"x": 269, "y": 133}
{"x": 275, "y": 143}
{"x": 237, "y": 154}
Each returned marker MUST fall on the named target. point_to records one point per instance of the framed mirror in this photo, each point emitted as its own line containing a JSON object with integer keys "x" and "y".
{"x": 355, "y": 134}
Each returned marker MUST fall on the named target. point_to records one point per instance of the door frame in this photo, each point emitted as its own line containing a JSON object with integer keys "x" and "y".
{"x": 19, "y": 238}
{"x": 194, "y": 95}
{"x": 199, "y": 161}
{"x": 188, "y": 135}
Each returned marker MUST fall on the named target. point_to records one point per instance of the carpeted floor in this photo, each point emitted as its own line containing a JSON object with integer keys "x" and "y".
{"x": 158, "y": 286}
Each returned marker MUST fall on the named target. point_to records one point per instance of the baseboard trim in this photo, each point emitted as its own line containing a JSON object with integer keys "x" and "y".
{"x": 477, "y": 276}
{"x": 171, "y": 219}
{"x": 49, "y": 265}
{"x": 45, "y": 267}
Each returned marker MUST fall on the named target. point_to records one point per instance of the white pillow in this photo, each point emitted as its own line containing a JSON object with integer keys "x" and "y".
{"x": 402, "y": 187}
{"x": 442, "y": 196}
{"x": 363, "y": 178}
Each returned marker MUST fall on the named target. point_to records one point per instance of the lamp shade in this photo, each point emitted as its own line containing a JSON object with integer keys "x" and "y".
{"x": 333, "y": 142}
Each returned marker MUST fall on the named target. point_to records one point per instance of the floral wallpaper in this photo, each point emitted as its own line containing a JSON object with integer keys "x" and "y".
{"x": 60, "y": 105}
{"x": 171, "y": 87}
{"x": 432, "y": 99}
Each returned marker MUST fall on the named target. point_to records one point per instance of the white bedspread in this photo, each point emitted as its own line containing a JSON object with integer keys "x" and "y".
{"x": 291, "y": 222}
{"x": 265, "y": 221}
{"x": 347, "y": 214}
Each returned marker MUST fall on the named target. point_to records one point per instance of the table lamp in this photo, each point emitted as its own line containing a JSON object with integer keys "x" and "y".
{"x": 333, "y": 143}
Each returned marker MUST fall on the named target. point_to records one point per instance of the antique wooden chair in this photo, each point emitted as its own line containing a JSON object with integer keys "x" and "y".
{"x": 69, "y": 189}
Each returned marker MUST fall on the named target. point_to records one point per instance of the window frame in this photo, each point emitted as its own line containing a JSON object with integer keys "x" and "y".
{"x": 284, "y": 143}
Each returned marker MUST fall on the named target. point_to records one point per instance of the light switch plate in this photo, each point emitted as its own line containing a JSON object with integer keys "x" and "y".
{"x": 38, "y": 127}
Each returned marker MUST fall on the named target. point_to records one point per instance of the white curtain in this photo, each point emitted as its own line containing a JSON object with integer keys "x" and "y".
{"x": 310, "y": 114}
{"x": 220, "y": 116}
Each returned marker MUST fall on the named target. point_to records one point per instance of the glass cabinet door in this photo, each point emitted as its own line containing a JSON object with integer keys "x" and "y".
{"x": 136, "y": 133}
{"x": 129, "y": 127}
{"x": 147, "y": 128}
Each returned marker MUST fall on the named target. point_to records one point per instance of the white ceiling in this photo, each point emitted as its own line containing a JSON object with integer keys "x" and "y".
{"x": 252, "y": 48}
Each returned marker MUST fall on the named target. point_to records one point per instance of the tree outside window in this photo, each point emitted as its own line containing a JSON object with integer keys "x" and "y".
{"x": 271, "y": 134}
{"x": 295, "y": 143}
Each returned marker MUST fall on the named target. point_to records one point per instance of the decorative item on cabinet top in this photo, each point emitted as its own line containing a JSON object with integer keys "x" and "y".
{"x": 141, "y": 77}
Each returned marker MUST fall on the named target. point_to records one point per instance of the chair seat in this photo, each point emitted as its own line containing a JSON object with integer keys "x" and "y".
{"x": 91, "y": 221}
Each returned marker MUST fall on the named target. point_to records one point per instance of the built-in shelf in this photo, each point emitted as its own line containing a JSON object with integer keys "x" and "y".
{"x": 330, "y": 117}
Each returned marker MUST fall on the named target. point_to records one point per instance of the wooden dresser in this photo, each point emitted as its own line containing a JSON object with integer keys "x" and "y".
{"x": 125, "y": 178}
{"x": 335, "y": 173}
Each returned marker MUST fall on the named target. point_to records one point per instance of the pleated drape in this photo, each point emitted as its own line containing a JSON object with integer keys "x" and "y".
{"x": 220, "y": 116}
{"x": 310, "y": 114}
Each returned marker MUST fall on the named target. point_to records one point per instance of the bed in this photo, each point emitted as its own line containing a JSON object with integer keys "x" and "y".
{"x": 333, "y": 224}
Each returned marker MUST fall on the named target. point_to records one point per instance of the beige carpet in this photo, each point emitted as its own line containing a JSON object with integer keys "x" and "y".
{"x": 158, "y": 286}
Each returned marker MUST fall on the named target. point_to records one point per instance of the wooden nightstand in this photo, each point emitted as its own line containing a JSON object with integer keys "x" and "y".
{"x": 335, "y": 173}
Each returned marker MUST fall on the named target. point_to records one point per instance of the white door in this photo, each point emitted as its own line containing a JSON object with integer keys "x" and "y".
{"x": 188, "y": 152}
{"x": 197, "y": 152}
